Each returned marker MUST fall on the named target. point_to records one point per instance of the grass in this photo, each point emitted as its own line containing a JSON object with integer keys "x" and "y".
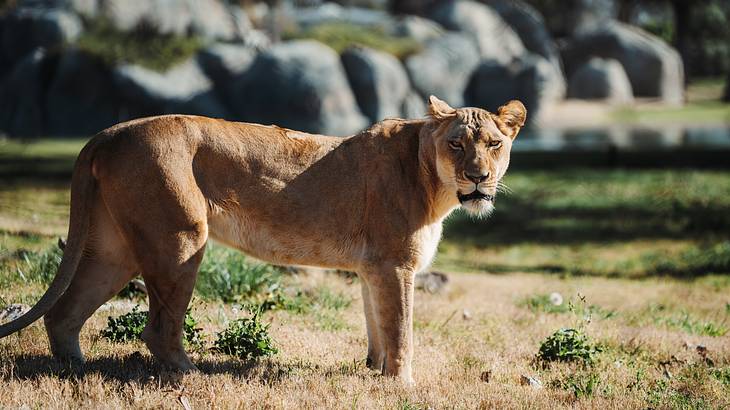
{"x": 640, "y": 252}
{"x": 340, "y": 36}
{"x": 568, "y": 345}
{"x": 703, "y": 106}
{"x": 617, "y": 223}
{"x": 246, "y": 338}
{"x": 231, "y": 277}
{"x": 142, "y": 46}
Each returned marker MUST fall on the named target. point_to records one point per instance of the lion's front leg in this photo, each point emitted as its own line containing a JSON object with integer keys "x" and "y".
{"x": 374, "y": 358}
{"x": 391, "y": 294}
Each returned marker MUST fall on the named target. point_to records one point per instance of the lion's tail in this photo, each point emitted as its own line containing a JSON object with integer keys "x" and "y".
{"x": 82, "y": 191}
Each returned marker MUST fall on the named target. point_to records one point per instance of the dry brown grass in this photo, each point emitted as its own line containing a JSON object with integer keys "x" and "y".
{"x": 319, "y": 368}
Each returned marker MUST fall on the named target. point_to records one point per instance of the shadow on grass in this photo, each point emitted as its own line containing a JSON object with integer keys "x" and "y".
{"x": 520, "y": 221}
{"x": 136, "y": 368}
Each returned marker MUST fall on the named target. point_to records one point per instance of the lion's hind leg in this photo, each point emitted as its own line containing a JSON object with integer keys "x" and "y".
{"x": 169, "y": 295}
{"x": 103, "y": 271}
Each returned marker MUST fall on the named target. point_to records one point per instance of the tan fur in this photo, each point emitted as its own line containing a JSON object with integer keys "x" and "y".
{"x": 372, "y": 203}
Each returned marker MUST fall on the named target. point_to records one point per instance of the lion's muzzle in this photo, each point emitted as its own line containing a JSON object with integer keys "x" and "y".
{"x": 475, "y": 195}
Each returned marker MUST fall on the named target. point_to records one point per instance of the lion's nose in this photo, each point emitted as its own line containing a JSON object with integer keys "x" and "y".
{"x": 476, "y": 178}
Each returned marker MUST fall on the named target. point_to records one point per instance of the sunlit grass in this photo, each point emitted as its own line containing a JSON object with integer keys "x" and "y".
{"x": 340, "y": 36}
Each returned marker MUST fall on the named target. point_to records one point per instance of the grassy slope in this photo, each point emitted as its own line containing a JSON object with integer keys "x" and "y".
{"x": 607, "y": 226}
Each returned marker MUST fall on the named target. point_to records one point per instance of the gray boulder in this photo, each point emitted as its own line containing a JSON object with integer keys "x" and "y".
{"x": 222, "y": 63}
{"x": 83, "y": 7}
{"x": 654, "y": 68}
{"x": 81, "y": 100}
{"x": 25, "y": 29}
{"x": 378, "y": 80}
{"x": 183, "y": 89}
{"x": 602, "y": 79}
{"x": 164, "y": 16}
{"x": 443, "y": 68}
{"x": 529, "y": 79}
{"x": 213, "y": 19}
{"x": 495, "y": 39}
{"x": 299, "y": 85}
{"x": 413, "y": 106}
{"x": 417, "y": 28}
{"x": 530, "y": 26}
{"x": 22, "y": 94}
{"x": 13, "y": 311}
{"x": 208, "y": 18}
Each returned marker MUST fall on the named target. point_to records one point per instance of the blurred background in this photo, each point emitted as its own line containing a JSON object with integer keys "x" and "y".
{"x": 622, "y": 171}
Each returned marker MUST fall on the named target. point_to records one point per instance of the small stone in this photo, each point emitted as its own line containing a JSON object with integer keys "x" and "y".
{"x": 530, "y": 381}
{"x": 466, "y": 314}
{"x": 13, "y": 311}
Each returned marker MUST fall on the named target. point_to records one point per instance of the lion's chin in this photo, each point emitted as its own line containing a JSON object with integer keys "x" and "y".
{"x": 481, "y": 208}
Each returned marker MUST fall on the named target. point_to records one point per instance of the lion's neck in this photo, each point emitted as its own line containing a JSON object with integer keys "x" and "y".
{"x": 435, "y": 200}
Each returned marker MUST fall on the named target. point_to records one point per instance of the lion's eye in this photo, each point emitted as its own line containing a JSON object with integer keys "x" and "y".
{"x": 495, "y": 144}
{"x": 455, "y": 145}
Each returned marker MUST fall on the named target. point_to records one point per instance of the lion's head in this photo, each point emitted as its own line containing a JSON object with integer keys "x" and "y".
{"x": 472, "y": 148}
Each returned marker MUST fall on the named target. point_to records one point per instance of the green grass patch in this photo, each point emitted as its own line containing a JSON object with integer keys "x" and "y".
{"x": 622, "y": 223}
{"x": 582, "y": 384}
{"x": 231, "y": 277}
{"x": 142, "y": 46}
{"x": 687, "y": 323}
{"x": 39, "y": 266}
{"x": 722, "y": 375}
{"x": 568, "y": 345}
{"x": 340, "y": 36}
{"x": 246, "y": 338}
{"x": 321, "y": 303}
{"x": 549, "y": 303}
{"x": 693, "y": 113}
{"x": 129, "y": 326}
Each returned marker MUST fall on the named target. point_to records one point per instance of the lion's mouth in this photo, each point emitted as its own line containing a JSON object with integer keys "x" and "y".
{"x": 475, "y": 195}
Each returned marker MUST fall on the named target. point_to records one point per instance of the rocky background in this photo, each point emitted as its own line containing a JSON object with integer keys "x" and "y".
{"x": 74, "y": 67}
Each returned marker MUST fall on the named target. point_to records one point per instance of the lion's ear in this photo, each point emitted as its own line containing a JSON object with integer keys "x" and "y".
{"x": 439, "y": 109}
{"x": 512, "y": 117}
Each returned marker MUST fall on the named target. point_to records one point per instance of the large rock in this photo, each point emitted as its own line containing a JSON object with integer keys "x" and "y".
{"x": 414, "y": 106}
{"x": 87, "y": 8}
{"x": 22, "y": 95}
{"x": 208, "y": 18}
{"x": 495, "y": 39}
{"x": 222, "y": 64}
{"x": 81, "y": 99}
{"x": 654, "y": 68}
{"x": 378, "y": 80}
{"x": 164, "y": 17}
{"x": 28, "y": 28}
{"x": 528, "y": 80}
{"x": 529, "y": 26}
{"x": 566, "y": 17}
{"x": 443, "y": 68}
{"x": 417, "y": 28}
{"x": 213, "y": 19}
{"x": 299, "y": 85}
{"x": 602, "y": 79}
{"x": 184, "y": 89}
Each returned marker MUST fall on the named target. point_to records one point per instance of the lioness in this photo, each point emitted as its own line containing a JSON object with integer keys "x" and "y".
{"x": 147, "y": 194}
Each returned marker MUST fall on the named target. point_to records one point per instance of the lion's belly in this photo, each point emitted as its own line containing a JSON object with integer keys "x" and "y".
{"x": 279, "y": 246}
